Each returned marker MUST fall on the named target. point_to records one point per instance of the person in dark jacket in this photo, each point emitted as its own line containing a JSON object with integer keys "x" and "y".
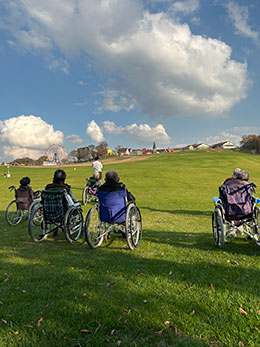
{"x": 24, "y": 194}
{"x": 113, "y": 184}
{"x": 59, "y": 183}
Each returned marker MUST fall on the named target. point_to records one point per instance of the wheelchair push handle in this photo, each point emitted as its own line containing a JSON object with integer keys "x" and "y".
{"x": 37, "y": 193}
{"x": 11, "y": 188}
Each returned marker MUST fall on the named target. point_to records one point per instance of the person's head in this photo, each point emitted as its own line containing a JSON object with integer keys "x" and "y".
{"x": 243, "y": 175}
{"x": 112, "y": 176}
{"x": 59, "y": 176}
{"x": 96, "y": 175}
{"x": 235, "y": 172}
{"x": 25, "y": 181}
{"x": 96, "y": 157}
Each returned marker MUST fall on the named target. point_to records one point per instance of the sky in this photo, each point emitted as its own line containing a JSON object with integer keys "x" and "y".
{"x": 128, "y": 72}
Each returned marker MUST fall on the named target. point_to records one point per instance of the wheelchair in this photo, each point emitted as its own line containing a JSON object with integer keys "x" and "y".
{"x": 227, "y": 225}
{"x": 112, "y": 213}
{"x": 89, "y": 193}
{"x": 56, "y": 210}
{"x": 18, "y": 208}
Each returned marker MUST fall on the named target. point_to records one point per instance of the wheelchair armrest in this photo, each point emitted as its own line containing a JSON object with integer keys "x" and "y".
{"x": 217, "y": 200}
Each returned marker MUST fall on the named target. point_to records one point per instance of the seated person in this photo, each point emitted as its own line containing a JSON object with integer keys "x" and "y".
{"x": 59, "y": 184}
{"x": 94, "y": 182}
{"x": 235, "y": 172}
{"x": 237, "y": 197}
{"x": 24, "y": 194}
{"x": 113, "y": 184}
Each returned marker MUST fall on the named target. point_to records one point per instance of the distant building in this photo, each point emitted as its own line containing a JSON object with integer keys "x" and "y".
{"x": 154, "y": 148}
{"x": 110, "y": 151}
{"x": 224, "y": 145}
{"x": 200, "y": 146}
{"x": 123, "y": 151}
{"x": 136, "y": 152}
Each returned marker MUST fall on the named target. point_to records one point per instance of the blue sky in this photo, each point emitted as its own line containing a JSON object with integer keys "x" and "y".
{"x": 76, "y": 72}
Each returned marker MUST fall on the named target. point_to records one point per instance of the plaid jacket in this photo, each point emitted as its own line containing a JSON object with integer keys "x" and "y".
{"x": 237, "y": 198}
{"x": 54, "y": 205}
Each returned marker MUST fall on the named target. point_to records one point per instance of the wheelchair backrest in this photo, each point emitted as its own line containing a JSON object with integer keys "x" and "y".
{"x": 23, "y": 197}
{"x": 54, "y": 205}
{"x": 112, "y": 206}
{"x": 237, "y": 198}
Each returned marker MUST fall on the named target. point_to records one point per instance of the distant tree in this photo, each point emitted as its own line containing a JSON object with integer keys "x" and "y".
{"x": 86, "y": 153}
{"x": 73, "y": 156}
{"x": 40, "y": 160}
{"x": 250, "y": 143}
{"x": 101, "y": 149}
{"x": 26, "y": 161}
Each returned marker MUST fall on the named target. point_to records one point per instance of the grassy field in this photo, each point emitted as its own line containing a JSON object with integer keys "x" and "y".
{"x": 175, "y": 289}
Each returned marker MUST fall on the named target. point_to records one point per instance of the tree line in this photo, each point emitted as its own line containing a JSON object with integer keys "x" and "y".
{"x": 250, "y": 143}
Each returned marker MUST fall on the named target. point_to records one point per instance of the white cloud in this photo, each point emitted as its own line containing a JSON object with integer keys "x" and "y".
{"x": 94, "y": 132}
{"x": 115, "y": 101}
{"x": 74, "y": 138}
{"x": 83, "y": 83}
{"x": 239, "y": 16}
{"x": 27, "y": 134}
{"x": 185, "y": 7}
{"x": 15, "y": 152}
{"x": 156, "y": 64}
{"x": 141, "y": 134}
{"x": 223, "y": 136}
{"x": 59, "y": 64}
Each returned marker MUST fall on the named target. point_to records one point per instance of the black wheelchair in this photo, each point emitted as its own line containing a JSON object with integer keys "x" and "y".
{"x": 112, "y": 213}
{"x": 244, "y": 220}
{"x": 55, "y": 211}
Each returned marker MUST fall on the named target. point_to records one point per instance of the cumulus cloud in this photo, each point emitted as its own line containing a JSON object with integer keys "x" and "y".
{"x": 239, "y": 16}
{"x": 27, "y": 134}
{"x": 141, "y": 134}
{"x": 155, "y": 63}
{"x": 15, "y": 152}
{"x": 94, "y": 132}
{"x": 74, "y": 139}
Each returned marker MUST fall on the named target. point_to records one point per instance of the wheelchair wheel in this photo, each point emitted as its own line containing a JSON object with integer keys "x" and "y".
{"x": 93, "y": 228}
{"x": 85, "y": 196}
{"x": 73, "y": 224}
{"x": 133, "y": 227}
{"x": 256, "y": 230}
{"x": 37, "y": 227}
{"x": 218, "y": 228}
{"x": 12, "y": 214}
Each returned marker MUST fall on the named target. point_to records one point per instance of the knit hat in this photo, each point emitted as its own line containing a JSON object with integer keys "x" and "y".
{"x": 25, "y": 181}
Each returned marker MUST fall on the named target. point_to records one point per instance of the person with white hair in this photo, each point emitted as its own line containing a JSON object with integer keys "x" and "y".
{"x": 113, "y": 184}
{"x": 234, "y": 176}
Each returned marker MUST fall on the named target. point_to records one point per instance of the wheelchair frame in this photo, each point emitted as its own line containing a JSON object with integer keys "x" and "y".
{"x": 13, "y": 215}
{"x": 72, "y": 226}
{"x": 223, "y": 228}
{"x": 131, "y": 229}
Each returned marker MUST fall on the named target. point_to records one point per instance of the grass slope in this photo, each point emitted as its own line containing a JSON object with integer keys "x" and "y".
{"x": 175, "y": 289}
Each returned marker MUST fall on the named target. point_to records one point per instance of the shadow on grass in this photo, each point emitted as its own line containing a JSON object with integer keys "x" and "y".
{"x": 119, "y": 295}
{"x": 202, "y": 241}
{"x": 188, "y": 212}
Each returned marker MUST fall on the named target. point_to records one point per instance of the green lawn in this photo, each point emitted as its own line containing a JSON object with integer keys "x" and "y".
{"x": 175, "y": 289}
